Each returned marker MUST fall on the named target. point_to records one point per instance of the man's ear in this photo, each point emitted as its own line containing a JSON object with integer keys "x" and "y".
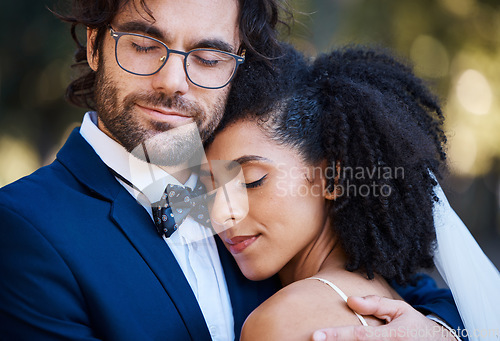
{"x": 92, "y": 58}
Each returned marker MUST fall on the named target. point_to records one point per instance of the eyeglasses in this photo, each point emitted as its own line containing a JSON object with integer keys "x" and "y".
{"x": 144, "y": 56}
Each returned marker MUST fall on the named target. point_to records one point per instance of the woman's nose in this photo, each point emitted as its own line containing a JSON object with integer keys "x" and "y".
{"x": 229, "y": 206}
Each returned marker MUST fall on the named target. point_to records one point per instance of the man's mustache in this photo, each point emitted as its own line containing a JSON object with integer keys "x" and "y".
{"x": 161, "y": 100}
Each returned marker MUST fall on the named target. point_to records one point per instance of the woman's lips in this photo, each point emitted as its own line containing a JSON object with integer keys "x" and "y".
{"x": 240, "y": 243}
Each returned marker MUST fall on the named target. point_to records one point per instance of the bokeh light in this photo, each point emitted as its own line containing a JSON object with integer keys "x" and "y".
{"x": 460, "y": 8}
{"x": 474, "y": 92}
{"x": 17, "y": 158}
{"x": 462, "y": 150}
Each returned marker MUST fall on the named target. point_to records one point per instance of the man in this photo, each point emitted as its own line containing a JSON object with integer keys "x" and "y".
{"x": 80, "y": 258}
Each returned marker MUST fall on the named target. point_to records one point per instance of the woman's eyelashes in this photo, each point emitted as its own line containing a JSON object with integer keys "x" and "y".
{"x": 256, "y": 183}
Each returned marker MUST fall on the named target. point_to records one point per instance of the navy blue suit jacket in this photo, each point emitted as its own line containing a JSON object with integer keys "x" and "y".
{"x": 80, "y": 259}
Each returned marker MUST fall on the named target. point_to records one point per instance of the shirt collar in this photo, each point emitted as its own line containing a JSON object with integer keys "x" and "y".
{"x": 138, "y": 172}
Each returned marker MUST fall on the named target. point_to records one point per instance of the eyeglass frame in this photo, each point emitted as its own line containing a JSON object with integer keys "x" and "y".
{"x": 240, "y": 59}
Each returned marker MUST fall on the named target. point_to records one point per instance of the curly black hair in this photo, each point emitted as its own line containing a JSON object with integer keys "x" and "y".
{"x": 258, "y": 25}
{"x": 261, "y": 88}
{"x": 380, "y": 130}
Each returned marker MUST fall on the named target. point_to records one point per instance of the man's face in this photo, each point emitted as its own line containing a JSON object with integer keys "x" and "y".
{"x": 132, "y": 108}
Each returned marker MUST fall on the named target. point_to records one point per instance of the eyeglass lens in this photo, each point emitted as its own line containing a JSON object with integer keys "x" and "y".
{"x": 145, "y": 56}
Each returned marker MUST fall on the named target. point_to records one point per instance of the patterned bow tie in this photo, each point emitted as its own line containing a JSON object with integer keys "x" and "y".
{"x": 176, "y": 203}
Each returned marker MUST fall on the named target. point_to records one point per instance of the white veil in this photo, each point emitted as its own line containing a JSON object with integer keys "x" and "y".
{"x": 474, "y": 281}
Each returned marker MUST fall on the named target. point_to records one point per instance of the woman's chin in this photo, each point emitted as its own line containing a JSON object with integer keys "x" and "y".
{"x": 254, "y": 274}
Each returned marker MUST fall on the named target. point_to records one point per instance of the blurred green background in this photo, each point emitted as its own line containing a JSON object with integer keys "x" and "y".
{"x": 453, "y": 44}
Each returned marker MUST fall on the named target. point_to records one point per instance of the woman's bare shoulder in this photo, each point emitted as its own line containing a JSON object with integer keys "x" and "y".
{"x": 356, "y": 284}
{"x": 296, "y": 311}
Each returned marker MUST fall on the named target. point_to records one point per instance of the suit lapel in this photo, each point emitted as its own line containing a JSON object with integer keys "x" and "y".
{"x": 141, "y": 232}
{"x": 81, "y": 160}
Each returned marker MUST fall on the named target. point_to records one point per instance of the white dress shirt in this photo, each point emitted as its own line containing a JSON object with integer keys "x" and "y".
{"x": 193, "y": 245}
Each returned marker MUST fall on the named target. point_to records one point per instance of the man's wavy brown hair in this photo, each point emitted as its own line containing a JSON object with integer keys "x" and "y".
{"x": 258, "y": 21}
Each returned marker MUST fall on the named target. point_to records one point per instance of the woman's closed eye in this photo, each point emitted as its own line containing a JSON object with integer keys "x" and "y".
{"x": 255, "y": 184}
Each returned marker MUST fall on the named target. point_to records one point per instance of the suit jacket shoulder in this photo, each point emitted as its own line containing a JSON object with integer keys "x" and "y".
{"x": 426, "y": 297}
{"x": 81, "y": 260}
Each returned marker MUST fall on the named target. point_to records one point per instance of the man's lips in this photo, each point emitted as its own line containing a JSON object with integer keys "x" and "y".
{"x": 239, "y": 243}
{"x": 166, "y": 115}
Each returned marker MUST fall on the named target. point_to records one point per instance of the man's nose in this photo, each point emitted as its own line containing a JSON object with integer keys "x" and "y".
{"x": 229, "y": 207}
{"x": 172, "y": 78}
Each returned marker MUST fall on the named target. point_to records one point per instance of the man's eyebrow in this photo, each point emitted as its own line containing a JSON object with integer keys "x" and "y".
{"x": 141, "y": 28}
{"x": 216, "y": 44}
{"x": 246, "y": 159}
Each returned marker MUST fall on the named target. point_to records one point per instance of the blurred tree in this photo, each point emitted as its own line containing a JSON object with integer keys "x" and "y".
{"x": 35, "y": 64}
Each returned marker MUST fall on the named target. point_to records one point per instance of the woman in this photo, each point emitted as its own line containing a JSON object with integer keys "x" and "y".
{"x": 337, "y": 162}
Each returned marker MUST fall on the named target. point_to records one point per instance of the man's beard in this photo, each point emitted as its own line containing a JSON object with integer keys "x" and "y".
{"x": 153, "y": 141}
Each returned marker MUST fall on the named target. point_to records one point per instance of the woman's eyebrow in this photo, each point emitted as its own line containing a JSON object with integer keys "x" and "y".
{"x": 246, "y": 159}
{"x": 232, "y": 164}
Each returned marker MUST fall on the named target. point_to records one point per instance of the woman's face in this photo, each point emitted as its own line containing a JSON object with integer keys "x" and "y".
{"x": 268, "y": 205}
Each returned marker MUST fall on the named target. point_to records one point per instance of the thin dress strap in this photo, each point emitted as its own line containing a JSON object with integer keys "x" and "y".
{"x": 341, "y": 294}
